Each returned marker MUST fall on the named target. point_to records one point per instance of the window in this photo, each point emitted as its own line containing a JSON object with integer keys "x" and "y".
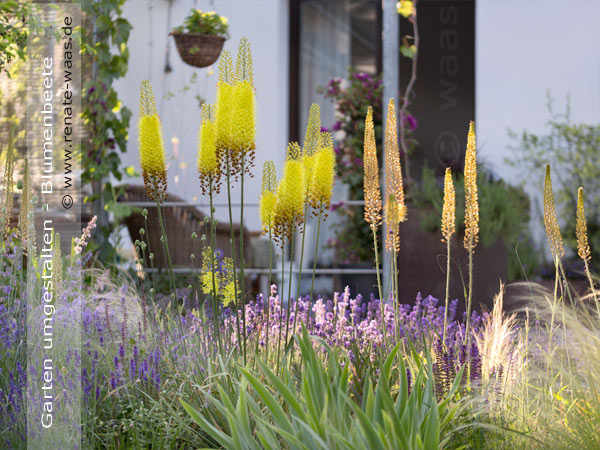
{"x": 327, "y": 37}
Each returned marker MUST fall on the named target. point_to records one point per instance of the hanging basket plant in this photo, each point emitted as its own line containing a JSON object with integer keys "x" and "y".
{"x": 201, "y": 37}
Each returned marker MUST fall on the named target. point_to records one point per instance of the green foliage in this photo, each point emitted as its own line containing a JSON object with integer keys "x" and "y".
{"x": 13, "y": 30}
{"x": 106, "y": 55}
{"x": 265, "y": 410}
{"x": 572, "y": 151}
{"x": 354, "y": 241}
{"x": 205, "y": 23}
{"x": 503, "y": 213}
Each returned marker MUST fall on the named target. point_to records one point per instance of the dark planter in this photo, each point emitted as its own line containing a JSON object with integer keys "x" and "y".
{"x": 422, "y": 266}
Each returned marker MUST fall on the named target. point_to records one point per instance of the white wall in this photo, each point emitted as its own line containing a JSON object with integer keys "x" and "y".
{"x": 525, "y": 49}
{"x": 265, "y": 23}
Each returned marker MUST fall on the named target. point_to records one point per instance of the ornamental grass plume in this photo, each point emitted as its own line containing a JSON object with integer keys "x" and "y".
{"x": 372, "y": 193}
{"x": 499, "y": 344}
{"x": 289, "y": 208}
{"x": 395, "y": 209}
{"x": 268, "y": 196}
{"x": 209, "y": 168}
{"x": 550, "y": 220}
{"x": 448, "y": 229}
{"x": 152, "y": 153}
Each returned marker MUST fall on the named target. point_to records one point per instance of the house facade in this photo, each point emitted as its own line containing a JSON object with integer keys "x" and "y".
{"x": 489, "y": 60}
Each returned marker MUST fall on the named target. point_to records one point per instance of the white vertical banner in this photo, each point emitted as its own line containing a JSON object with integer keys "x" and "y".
{"x": 54, "y": 294}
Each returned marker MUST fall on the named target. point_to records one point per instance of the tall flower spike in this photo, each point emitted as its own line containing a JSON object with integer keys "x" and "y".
{"x": 583, "y": 248}
{"x": 392, "y": 220}
{"x": 371, "y": 175}
{"x": 312, "y": 136}
{"x": 243, "y": 64}
{"x": 395, "y": 209}
{"x": 449, "y": 208}
{"x": 152, "y": 153}
{"x": 268, "y": 197}
{"x": 312, "y": 144}
{"x": 224, "y": 102}
{"x": 322, "y": 176}
{"x": 208, "y": 162}
{"x": 243, "y": 132}
{"x": 289, "y": 210}
{"x": 471, "y": 199}
{"x": 550, "y": 220}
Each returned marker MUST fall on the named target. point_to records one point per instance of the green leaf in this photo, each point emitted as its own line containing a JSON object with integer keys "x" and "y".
{"x": 271, "y": 403}
{"x": 408, "y": 51}
{"x": 221, "y": 437}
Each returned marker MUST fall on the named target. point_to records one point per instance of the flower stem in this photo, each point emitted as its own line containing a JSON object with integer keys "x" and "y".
{"x": 302, "y": 250}
{"x": 243, "y": 280}
{"x": 166, "y": 249}
{"x": 312, "y": 283}
{"x": 281, "y": 301}
{"x": 396, "y": 295}
{"x": 469, "y": 300}
{"x": 269, "y": 296}
{"x": 212, "y": 268}
{"x": 589, "y": 277}
{"x": 287, "y": 318}
{"x": 379, "y": 287}
{"x": 447, "y": 291}
{"x": 232, "y": 245}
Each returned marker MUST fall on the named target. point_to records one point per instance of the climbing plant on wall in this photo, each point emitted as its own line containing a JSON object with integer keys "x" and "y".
{"x": 105, "y": 56}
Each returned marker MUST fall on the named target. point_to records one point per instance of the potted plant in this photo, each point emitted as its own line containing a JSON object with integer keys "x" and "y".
{"x": 201, "y": 37}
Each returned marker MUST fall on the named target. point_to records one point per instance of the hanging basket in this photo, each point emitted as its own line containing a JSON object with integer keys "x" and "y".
{"x": 199, "y": 50}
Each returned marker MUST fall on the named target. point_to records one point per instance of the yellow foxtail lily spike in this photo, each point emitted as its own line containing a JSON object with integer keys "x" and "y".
{"x": 372, "y": 192}
{"x": 322, "y": 176}
{"x": 289, "y": 210}
{"x": 583, "y": 247}
{"x": 471, "y": 199}
{"x": 550, "y": 220}
{"x": 208, "y": 160}
{"x": 152, "y": 153}
{"x": 268, "y": 198}
{"x": 395, "y": 209}
{"x": 449, "y": 208}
